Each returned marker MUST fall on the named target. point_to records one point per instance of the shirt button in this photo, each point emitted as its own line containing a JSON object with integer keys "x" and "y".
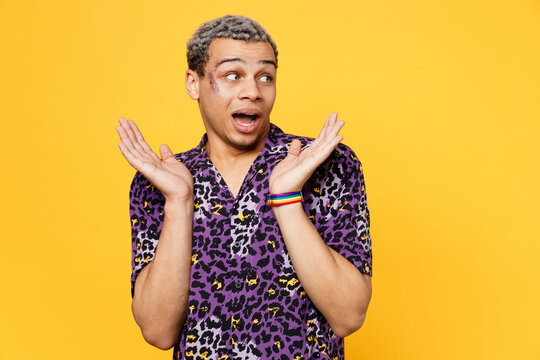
{"x": 238, "y": 284}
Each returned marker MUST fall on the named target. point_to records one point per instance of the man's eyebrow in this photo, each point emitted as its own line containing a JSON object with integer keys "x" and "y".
{"x": 271, "y": 62}
{"x": 228, "y": 60}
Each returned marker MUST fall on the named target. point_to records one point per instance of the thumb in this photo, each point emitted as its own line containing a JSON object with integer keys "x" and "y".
{"x": 165, "y": 152}
{"x": 295, "y": 148}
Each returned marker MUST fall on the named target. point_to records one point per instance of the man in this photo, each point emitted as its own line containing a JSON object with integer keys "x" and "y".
{"x": 229, "y": 260}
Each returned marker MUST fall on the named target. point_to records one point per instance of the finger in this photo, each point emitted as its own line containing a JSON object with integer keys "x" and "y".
{"x": 138, "y": 136}
{"x": 127, "y": 142}
{"x": 335, "y": 143}
{"x": 129, "y": 131}
{"x": 140, "y": 140}
{"x": 334, "y": 130}
{"x": 130, "y": 157}
{"x": 322, "y": 133}
{"x": 330, "y": 146}
{"x": 332, "y": 139}
{"x": 295, "y": 148}
{"x": 332, "y": 119}
{"x": 166, "y": 153}
{"x": 131, "y": 143}
{"x": 327, "y": 123}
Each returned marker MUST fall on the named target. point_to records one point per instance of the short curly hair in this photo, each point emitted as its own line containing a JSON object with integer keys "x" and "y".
{"x": 235, "y": 27}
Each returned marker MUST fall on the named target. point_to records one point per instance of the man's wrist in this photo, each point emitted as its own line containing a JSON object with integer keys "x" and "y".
{"x": 289, "y": 210}
{"x": 284, "y": 198}
{"x": 273, "y": 190}
{"x": 179, "y": 206}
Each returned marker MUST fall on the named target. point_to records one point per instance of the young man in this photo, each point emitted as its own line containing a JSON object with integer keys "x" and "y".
{"x": 255, "y": 244}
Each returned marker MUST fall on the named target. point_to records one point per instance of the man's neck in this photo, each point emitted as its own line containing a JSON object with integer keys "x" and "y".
{"x": 232, "y": 163}
{"x": 227, "y": 155}
{"x": 220, "y": 153}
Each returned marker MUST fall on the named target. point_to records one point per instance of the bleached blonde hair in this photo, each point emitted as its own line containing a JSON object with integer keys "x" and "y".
{"x": 235, "y": 27}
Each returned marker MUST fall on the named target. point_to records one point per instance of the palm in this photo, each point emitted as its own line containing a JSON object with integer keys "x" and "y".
{"x": 170, "y": 176}
{"x": 293, "y": 171}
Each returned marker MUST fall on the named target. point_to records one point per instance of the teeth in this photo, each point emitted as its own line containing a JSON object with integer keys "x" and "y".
{"x": 252, "y": 122}
{"x": 252, "y": 116}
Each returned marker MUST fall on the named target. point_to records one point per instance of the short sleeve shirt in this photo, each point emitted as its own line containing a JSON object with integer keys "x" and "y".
{"x": 245, "y": 299}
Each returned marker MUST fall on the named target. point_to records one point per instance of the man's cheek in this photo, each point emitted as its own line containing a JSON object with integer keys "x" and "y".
{"x": 213, "y": 84}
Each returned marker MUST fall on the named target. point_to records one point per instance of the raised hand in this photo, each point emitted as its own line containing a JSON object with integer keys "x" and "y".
{"x": 167, "y": 174}
{"x": 293, "y": 171}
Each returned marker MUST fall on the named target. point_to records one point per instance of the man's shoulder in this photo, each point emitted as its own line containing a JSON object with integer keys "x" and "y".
{"x": 189, "y": 157}
{"x": 282, "y": 140}
{"x": 346, "y": 156}
{"x": 341, "y": 166}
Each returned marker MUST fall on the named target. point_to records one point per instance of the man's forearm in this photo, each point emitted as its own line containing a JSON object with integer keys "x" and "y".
{"x": 162, "y": 288}
{"x": 336, "y": 287}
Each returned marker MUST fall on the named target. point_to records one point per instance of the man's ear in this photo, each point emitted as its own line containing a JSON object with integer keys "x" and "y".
{"x": 192, "y": 84}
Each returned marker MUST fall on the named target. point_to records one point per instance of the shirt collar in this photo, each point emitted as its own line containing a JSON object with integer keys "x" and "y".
{"x": 270, "y": 143}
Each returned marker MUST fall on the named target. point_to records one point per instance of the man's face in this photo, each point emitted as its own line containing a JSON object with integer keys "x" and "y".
{"x": 237, "y": 93}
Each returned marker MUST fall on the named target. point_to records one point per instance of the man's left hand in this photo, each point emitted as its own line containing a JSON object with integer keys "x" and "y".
{"x": 294, "y": 170}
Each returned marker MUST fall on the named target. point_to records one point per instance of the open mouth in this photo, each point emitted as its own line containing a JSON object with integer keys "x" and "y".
{"x": 245, "y": 119}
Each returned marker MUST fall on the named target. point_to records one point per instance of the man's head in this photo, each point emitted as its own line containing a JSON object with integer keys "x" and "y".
{"x": 234, "y": 27}
{"x": 232, "y": 75}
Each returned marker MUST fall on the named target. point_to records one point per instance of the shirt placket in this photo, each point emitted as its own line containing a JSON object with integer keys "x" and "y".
{"x": 246, "y": 277}
{"x": 218, "y": 205}
{"x": 240, "y": 278}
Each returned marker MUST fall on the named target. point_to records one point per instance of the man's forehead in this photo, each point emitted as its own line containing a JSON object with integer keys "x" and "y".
{"x": 229, "y": 60}
{"x": 223, "y": 51}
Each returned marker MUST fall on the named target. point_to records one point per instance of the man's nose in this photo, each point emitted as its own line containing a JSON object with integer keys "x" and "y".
{"x": 250, "y": 90}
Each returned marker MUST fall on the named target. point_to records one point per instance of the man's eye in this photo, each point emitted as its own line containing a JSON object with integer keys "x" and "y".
{"x": 266, "y": 78}
{"x": 232, "y": 76}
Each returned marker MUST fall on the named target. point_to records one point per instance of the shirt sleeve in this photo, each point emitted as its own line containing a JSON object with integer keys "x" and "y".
{"x": 343, "y": 216}
{"x": 146, "y": 214}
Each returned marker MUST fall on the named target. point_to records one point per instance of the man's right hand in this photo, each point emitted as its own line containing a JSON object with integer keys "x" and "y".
{"x": 169, "y": 175}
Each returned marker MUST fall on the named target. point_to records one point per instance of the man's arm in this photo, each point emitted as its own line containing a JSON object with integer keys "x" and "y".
{"x": 336, "y": 286}
{"x": 162, "y": 288}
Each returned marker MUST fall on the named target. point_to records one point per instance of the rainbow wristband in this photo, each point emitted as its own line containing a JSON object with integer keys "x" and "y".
{"x": 284, "y": 199}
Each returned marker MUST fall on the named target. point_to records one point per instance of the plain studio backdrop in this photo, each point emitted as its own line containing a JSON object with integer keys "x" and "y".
{"x": 441, "y": 103}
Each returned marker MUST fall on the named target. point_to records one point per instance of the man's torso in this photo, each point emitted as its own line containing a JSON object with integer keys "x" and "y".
{"x": 245, "y": 298}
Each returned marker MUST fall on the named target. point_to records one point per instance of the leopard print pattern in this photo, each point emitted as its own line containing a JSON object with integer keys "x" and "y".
{"x": 245, "y": 299}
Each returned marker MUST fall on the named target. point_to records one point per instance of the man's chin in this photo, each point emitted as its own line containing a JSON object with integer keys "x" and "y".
{"x": 243, "y": 143}
{"x": 247, "y": 142}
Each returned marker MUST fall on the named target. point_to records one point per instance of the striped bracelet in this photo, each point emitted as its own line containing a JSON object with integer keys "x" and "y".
{"x": 284, "y": 199}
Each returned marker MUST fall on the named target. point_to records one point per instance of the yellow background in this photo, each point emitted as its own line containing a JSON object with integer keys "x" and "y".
{"x": 441, "y": 103}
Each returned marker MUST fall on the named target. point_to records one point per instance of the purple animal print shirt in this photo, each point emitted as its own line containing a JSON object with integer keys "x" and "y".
{"x": 245, "y": 299}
